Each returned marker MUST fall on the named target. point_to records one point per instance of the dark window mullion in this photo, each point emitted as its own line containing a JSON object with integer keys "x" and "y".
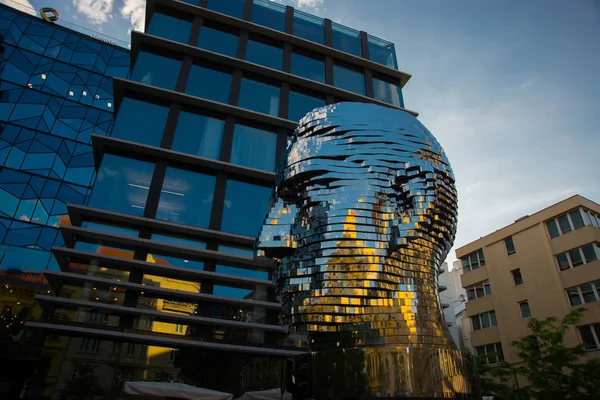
{"x": 158, "y": 178}
{"x": 218, "y": 203}
{"x": 170, "y": 127}
{"x": 195, "y": 31}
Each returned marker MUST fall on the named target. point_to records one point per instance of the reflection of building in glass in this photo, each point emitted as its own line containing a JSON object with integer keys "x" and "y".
{"x": 542, "y": 265}
{"x": 185, "y": 176}
{"x": 56, "y": 92}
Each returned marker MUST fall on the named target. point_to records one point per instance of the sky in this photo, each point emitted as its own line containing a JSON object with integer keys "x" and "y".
{"x": 510, "y": 88}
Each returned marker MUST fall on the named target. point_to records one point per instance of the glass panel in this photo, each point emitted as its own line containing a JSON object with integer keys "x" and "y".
{"x": 246, "y": 273}
{"x": 259, "y": 97}
{"x": 237, "y": 293}
{"x": 476, "y": 323}
{"x": 234, "y": 8}
{"x": 575, "y": 257}
{"x": 237, "y": 251}
{"x": 209, "y": 84}
{"x": 152, "y": 69}
{"x": 587, "y": 292}
{"x": 493, "y": 318}
{"x": 346, "y": 39}
{"x": 140, "y": 122}
{"x": 218, "y": 41}
{"x": 525, "y": 311}
{"x": 110, "y": 229}
{"x": 245, "y": 208}
{"x": 517, "y": 277}
{"x": 264, "y": 54}
{"x": 387, "y": 92}
{"x": 309, "y": 27}
{"x": 170, "y": 28}
{"x": 563, "y": 222}
{"x": 122, "y": 185}
{"x": 471, "y": 294}
{"x": 576, "y": 219}
{"x": 308, "y": 67}
{"x": 586, "y": 217}
{"x": 574, "y": 297}
{"x": 587, "y": 337}
{"x": 465, "y": 263}
{"x": 382, "y": 52}
{"x": 301, "y": 104}
{"x": 481, "y": 259}
{"x": 480, "y": 350}
{"x": 474, "y": 262}
{"x": 198, "y": 135}
{"x": 178, "y": 241}
{"x": 186, "y": 198}
{"x": 589, "y": 253}
{"x": 177, "y": 262}
{"x": 349, "y": 80}
{"x": 563, "y": 261}
{"x": 552, "y": 228}
{"x": 510, "y": 245}
{"x": 254, "y": 148}
{"x": 269, "y": 14}
{"x": 485, "y": 320}
{"x": 487, "y": 288}
{"x": 479, "y": 291}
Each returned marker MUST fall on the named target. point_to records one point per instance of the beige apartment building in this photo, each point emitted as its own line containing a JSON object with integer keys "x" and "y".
{"x": 542, "y": 265}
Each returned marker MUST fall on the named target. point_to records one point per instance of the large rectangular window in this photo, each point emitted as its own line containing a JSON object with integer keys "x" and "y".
{"x": 155, "y": 70}
{"x": 588, "y": 293}
{"x": 308, "y": 67}
{"x": 122, "y": 185}
{"x": 254, "y": 148}
{"x": 170, "y": 28}
{"x": 346, "y": 39}
{"x": 309, "y": 27}
{"x": 198, "y": 135}
{"x": 492, "y": 352}
{"x": 186, "y": 198}
{"x": 209, "y": 84}
{"x": 484, "y": 320}
{"x": 245, "y": 208}
{"x": 218, "y": 41}
{"x": 260, "y": 97}
{"x": 566, "y": 223}
{"x": 473, "y": 261}
{"x": 261, "y": 53}
{"x": 348, "y": 79}
{"x": 300, "y": 104}
{"x": 590, "y": 336}
{"x": 269, "y": 14}
{"x": 140, "y": 122}
{"x": 233, "y": 8}
{"x": 579, "y": 256}
{"x": 510, "y": 245}
{"x": 387, "y": 92}
{"x": 478, "y": 290}
{"x": 525, "y": 310}
{"x": 382, "y": 52}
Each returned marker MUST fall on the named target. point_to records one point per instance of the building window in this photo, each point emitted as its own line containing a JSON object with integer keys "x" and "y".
{"x": 144, "y": 351}
{"x": 172, "y": 355}
{"x": 246, "y": 206}
{"x": 308, "y": 67}
{"x": 178, "y": 328}
{"x": 269, "y": 14}
{"x": 186, "y": 198}
{"x": 206, "y": 138}
{"x": 141, "y": 122}
{"x": 155, "y": 70}
{"x": 517, "y": 277}
{"x": 122, "y": 185}
{"x": 510, "y": 245}
{"x": 170, "y": 28}
{"x": 492, "y": 352}
{"x": 579, "y": 256}
{"x": 233, "y": 8}
{"x": 565, "y": 223}
{"x": 130, "y": 349}
{"x": 264, "y": 54}
{"x": 347, "y": 79}
{"x": 301, "y": 104}
{"x": 382, "y": 52}
{"x": 208, "y": 84}
{"x": 590, "y": 335}
{"x": 525, "y": 311}
{"x": 484, "y": 320}
{"x": 259, "y": 97}
{"x": 254, "y": 148}
{"x": 478, "y": 290}
{"x": 588, "y": 293}
{"x": 387, "y": 92}
{"x": 473, "y": 261}
{"x": 591, "y": 218}
{"x": 309, "y": 27}
{"x": 218, "y": 41}
{"x": 346, "y": 39}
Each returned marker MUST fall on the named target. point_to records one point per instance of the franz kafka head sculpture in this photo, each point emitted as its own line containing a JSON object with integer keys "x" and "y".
{"x": 363, "y": 214}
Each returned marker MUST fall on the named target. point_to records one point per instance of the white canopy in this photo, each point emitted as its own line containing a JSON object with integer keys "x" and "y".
{"x": 274, "y": 394}
{"x": 176, "y": 390}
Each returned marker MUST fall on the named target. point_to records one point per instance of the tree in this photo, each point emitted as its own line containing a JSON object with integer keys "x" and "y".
{"x": 553, "y": 371}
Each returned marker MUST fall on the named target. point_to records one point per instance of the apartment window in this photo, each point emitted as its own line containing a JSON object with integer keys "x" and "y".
{"x": 309, "y": 27}
{"x": 254, "y": 148}
{"x": 218, "y": 41}
{"x": 269, "y": 14}
{"x": 308, "y": 67}
{"x": 579, "y": 256}
{"x": 591, "y": 218}
{"x": 588, "y": 293}
{"x": 140, "y": 121}
{"x": 565, "y": 223}
{"x": 170, "y": 28}
{"x": 473, "y": 261}
{"x": 264, "y": 54}
{"x": 346, "y": 39}
{"x": 525, "y": 311}
{"x": 155, "y": 70}
{"x": 590, "y": 335}
{"x": 209, "y": 84}
{"x": 510, "y": 245}
{"x": 206, "y": 140}
{"x": 484, "y": 320}
{"x": 259, "y": 97}
{"x": 387, "y": 92}
{"x": 233, "y": 8}
{"x": 84, "y": 345}
{"x": 517, "y": 277}
{"x": 492, "y": 352}
{"x": 300, "y": 104}
{"x": 478, "y": 290}
{"x": 382, "y": 52}
{"x": 245, "y": 207}
{"x": 348, "y": 79}
{"x": 130, "y": 349}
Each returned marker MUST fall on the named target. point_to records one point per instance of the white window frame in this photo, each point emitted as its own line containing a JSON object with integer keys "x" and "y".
{"x": 478, "y": 260}
{"x": 488, "y": 361}
{"x": 568, "y": 214}
{"x": 479, "y": 316}
{"x": 580, "y": 249}
{"x": 596, "y": 339}
{"x": 474, "y": 288}
{"x": 591, "y": 218}
{"x": 580, "y": 293}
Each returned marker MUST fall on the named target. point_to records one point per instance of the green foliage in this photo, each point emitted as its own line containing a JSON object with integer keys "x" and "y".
{"x": 552, "y": 370}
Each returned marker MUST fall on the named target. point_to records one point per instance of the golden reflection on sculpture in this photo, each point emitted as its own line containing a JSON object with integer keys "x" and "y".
{"x": 363, "y": 213}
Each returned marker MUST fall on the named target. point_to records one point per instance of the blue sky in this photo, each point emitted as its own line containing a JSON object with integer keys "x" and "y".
{"x": 510, "y": 88}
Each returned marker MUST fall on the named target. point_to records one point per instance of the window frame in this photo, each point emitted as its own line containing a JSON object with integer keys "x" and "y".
{"x": 485, "y": 287}
{"x": 521, "y": 303}
{"x": 582, "y": 255}
{"x": 512, "y": 244}
{"x": 480, "y": 318}
{"x": 594, "y": 328}
{"x": 480, "y": 260}
{"x": 514, "y": 273}
{"x": 555, "y": 220}
{"x": 595, "y": 285}
{"x": 499, "y": 357}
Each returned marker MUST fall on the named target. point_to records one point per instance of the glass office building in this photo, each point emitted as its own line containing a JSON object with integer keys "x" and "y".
{"x": 56, "y": 92}
{"x": 157, "y": 279}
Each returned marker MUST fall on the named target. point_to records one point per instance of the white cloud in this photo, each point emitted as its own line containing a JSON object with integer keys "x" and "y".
{"x": 21, "y": 5}
{"x": 135, "y": 11}
{"x": 96, "y": 11}
{"x": 309, "y": 4}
